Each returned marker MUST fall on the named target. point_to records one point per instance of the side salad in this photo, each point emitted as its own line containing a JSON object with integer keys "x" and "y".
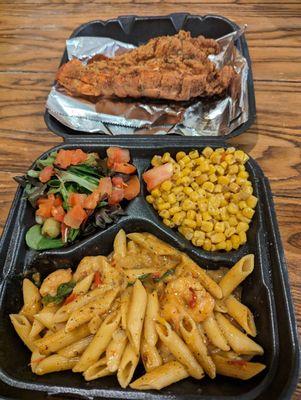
{"x": 75, "y": 193}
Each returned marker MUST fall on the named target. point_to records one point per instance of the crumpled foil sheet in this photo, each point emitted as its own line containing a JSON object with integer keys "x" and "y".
{"x": 213, "y": 117}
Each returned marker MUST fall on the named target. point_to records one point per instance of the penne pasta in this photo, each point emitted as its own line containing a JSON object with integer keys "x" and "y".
{"x": 242, "y": 315}
{"x": 23, "y": 327}
{"x": 127, "y": 365}
{"x": 237, "y": 274}
{"x": 55, "y": 363}
{"x": 214, "y": 334}
{"x": 161, "y": 377}
{"x": 150, "y": 355}
{"x": 153, "y": 244}
{"x": 31, "y": 299}
{"x": 208, "y": 283}
{"x": 77, "y": 348}
{"x": 97, "y": 370}
{"x": 151, "y": 314}
{"x": 120, "y": 244}
{"x": 64, "y": 312}
{"x": 94, "y": 324}
{"x": 36, "y": 329}
{"x": 133, "y": 247}
{"x": 97, "y": 307}
{"x": 36, "y": 358}
{"x": 115, "y": 349}
{"x": 83, "y": 285}
{"x": 220, "y": 306}
{"x": 136, "y": 313}
{"x": 56, "y": 341}
{"x": 46, "y": 315}
{"x": 237, "y": 340}
{"x": 193, "y": 339}
{"x": 89, "y": 265}
{"x": 124, "y": 306}
{"x": 178, "y": 348}
{"x": 239, "y": 369}
{"x": 99, "y": 342}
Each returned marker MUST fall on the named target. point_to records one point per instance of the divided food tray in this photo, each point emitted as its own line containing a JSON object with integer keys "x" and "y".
{"x": 138, "y": 30}
{"x": 265, "y": 291}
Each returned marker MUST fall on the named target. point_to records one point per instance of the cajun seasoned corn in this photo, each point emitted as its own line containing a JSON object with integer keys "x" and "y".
{"x": 209, "y": 198}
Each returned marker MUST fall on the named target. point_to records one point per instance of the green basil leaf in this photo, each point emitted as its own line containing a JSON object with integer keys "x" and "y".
{"x": 167, "y": 273}
{"x": 65, "y": 288}
{"x": 35, "y": 240}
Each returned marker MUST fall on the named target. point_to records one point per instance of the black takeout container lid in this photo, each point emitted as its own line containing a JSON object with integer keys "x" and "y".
{"x": 266, "y": 291}
{"x": 138, "y": 30}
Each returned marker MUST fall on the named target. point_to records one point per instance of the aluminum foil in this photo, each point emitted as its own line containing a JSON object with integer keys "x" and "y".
{"x": 125, "y": 116}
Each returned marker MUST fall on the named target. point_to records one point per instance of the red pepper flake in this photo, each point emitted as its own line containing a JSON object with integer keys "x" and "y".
{"x": 240, "y": 363}
{"x": 156, "y": 275}
{"x": 97, "y": 281}
{"x": 70, "y": 298}
{"x": 192, "y": 301}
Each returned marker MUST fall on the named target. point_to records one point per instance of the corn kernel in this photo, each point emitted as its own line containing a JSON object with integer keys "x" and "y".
{"x": 233, "y": 169}
{"x": 212, "y": 178}
{"x": 191, "y": 214}
{"x": 159, "y": 200}
{"x": 243, "y": 174}
{"x": 239, "y": 155}
{"x": 163, "y": 206}
{"x": 219, "y": 227}
{"x": 230, "y": 231}
{"x": 167, "y": 185}
{"x": 211, "y": 169}
{"x": 221, "y": 245}
{"x": 232, "y": 220}
{"x": 230, "y": 159}
{"x": 199, "y": 235}
{"x": 252, "y": 201}
{"x": 182, "y": 164}
{"x": 199, "y": 220}
{"x": 240, "y": 181}
{"x": 194, "y": 186}
{"x": 234, "y": 187}
{"x": 187, "y": 232}
{"x": 168, "y": 222}
{"x": 206, "y": 216}
{"x": 216, "y": 158}
{"x": 175, "y": 209}
{"x": 177, "y": 189}
{"x": 218, "y": 188}
{"x": 197, "y": 242}
{"x": 189, "y": 222}
{"x": 242, "y": 227}
{"x": 218, "y": 237}
{"x": 180, "y": 155}
{"x": 188, "y": 205}
{"x": 164, "y": 214}
{"x": 243, "y": 237}
{"x": 171, "y": 198}
{"x": 219, "y": 169}
{"x": 207, "y": 226}
{"x": 228, "y": 245}
{"x": 232, "y": 208}
{"x": 201, "y": 179}
{"x": 164, "y": 196}
{"x": 156, "y": 193}
{"x": 187, "y": 190}
{"x": 209, "y": 186}
{"x": 166, "y": 157}
{"x": 207, "y": 152}
{"x": 186, "y": 180}
{"x": 242, "y": 204}
{"x": 180, "y": 196}
{"x": 150, "y": 199}
{"x": 207, "y": 245}
{"x": 230, "y": 150}
{"x": 235, "y": 241}
{"x": 223, "y": 180}
{"x": 193, "y": 154}
{"x": 242, "y": 218}
{"x": 224, "y": 165}
{"x": 156, "y": 161}
{"x": 224, "y": 214}
{"x": 186, "y": 159}
{"x": 179, "y": 217}
{"x": 248, "y": 212}
{"x": 194, "y": 196}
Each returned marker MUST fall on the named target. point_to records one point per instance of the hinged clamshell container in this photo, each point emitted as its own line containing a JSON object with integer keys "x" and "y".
{"x": 265, "y": 291}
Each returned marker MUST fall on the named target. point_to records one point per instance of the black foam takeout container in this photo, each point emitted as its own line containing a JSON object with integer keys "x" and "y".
{"x": 265, "y": 291}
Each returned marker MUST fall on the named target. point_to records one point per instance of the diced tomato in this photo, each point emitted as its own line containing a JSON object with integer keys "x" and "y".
{"x": 133, "y": 188}
{"x": 64, "y": 232}
{"x": 75, "y": 216}
{"x": 92, "y": 200}
{"x": 76, "y": 198}
{"x": 155, "y": 176}
{"x": 240, "y": 363}
{"x": 193, "y": 299}
{"x": 118, "y": 155}
{"x": 46, "y": 204}
{"x": 58, "y": 213}
{"x": 46, "y": 174}
{"x": 123, "y": 168}
{"x": 65, "y": 158}
{"x": 117, "y": 181}
{"x": 97, "y": 281}
{"x": 70, "y": 298}
{"x": 116, "y": 196}
{"x": 105, "y": 187}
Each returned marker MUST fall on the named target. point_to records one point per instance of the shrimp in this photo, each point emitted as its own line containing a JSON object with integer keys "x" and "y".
{"x": 54, "y": 280}
{"x": 186, "y": 294}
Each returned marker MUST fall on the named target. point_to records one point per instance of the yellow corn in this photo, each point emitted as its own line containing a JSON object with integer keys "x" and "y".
{"x": 171, "y": 198}
{"x": 207, "y": 244}
{"x": 235, "y": 241}
{"x": 189, "y": 222}
{"x": 228, "y": 245}
{"x": 163, "y": 206}
{"x": 164, "y": 214}
{"x": 191, "y": 214}
{"x": 179, "y": 217}
{"x": 166, "y": 157}
{"x": 252, "y": 201}
{"x": 219, "y": 227}
{"x": 156, "y": 161}
{"x": 156, "y": 193}
{"x": 180, "y": 155}
{"x": 150, "y": 199}
{"x": 166, "y": 186}
{"x": 232, "y": 208}
{"x": 248, "y": 212}
{"x": 187, "y": 190}
{"x": 242, "y": 227}
{"x": 193, "y": 154}
{"x": 242, "y": 237}
{"x": 230, "y": 231}
{"x": 207, "y": 226}
{"x": 207, "y": 152}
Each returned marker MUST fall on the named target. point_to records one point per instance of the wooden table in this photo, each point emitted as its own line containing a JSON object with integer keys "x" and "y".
{"x": 33, "y": 37}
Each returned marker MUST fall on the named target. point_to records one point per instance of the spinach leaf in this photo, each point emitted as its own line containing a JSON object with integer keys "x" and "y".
{"x": 167, "y": 273}
{"x": 72, "y": 234}
{"x": 35, "y": 240}
{"x": 62, "y": 292}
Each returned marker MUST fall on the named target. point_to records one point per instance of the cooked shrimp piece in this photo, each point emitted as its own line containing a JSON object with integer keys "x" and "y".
{"x": 54, "y": 280}
{"x": 188, "y": 294}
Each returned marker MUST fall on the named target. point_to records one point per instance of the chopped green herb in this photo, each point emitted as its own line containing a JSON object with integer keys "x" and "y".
{"x": 62, "y": 292}
{"x": 167, "y": 273}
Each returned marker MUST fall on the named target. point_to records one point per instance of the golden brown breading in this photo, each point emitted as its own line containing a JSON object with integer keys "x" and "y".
{"x": 167, "y": 67}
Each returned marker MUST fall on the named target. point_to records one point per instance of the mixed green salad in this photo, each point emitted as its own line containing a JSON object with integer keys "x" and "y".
{"x": 75, "y": 193}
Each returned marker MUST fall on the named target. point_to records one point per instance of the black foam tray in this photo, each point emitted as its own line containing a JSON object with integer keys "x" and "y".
{"x": 138, "y": 30}
{"x": 266, "y": 291}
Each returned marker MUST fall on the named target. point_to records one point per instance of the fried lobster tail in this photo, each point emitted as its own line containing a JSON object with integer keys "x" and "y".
{"x": 168, "y": 67}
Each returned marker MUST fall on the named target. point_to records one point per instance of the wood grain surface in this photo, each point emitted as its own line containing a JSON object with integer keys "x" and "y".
{"x": 32, "y": 38}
